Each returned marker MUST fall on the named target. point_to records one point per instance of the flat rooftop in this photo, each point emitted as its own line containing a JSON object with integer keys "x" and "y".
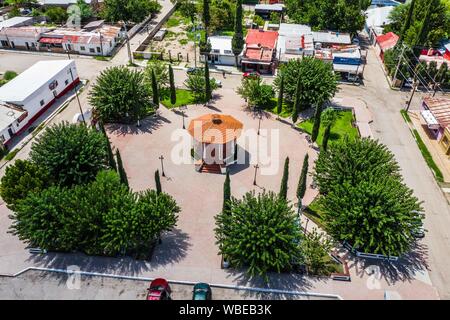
{"x": 28, "y": 82}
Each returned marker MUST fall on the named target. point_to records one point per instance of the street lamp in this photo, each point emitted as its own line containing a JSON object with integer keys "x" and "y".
{"x": 259, "y": 122}
{"x": 182, "y": 115}
{"x": 78, "y": 98}
{"x": 162, "y": 165}
{"x": 256, "y": 170}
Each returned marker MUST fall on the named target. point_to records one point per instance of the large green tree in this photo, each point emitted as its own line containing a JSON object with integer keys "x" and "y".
{"x": 101, "y": 218}
{"x": 197, "y": 84}
{"x": 317, "y": 78}
{"x": 70, "y": 153}
{"x": 259, "y": 232}
{"x": 337, "y": 15}
{"x": 437, "y": 28}
{"x": 21, "y": 179}
{"x": 128, "y": 10}
{"x": 284, "y": 180}
{"x": 121, "y": 95}
{"x": 173, "y": 89}
{"x": 256, "y": 92}
{"x": 364, "y": 200}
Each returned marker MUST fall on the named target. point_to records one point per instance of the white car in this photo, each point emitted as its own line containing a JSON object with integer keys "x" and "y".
{"x": 218, "y": 83}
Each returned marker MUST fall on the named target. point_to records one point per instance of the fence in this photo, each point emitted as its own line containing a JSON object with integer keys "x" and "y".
{"x": 368, "y": 255}
{"x": 140, "y": 51}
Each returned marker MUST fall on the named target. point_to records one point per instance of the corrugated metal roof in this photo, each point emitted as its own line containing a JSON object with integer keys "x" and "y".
{"x": 440, "y": 108}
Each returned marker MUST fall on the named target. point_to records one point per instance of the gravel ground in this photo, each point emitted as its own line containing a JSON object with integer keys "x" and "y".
{"x": 41, "y": 285}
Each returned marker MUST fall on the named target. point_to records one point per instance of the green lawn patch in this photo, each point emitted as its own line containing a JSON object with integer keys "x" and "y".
{"x": 342, "y": 127}
{"x": 313, "y": 213}
{"x": 101, "y": 58}
{"x": 184, "y": 97}
{"x": 405, "y": 116}
{"x": 11, "y": 155}
{"x": 172, "y": 22}
{"x": 272, "y": 107}
{"x": 428, "y": 158}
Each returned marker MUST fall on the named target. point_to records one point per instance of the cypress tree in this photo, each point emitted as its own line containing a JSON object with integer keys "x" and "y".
{"x": 284, "y": 180}
{"x": 407, "y": 23}
{"x": 316, "y": 126}
{"x": 237, "y": 42}
{"x": 326, "y": 136}
{"x": 155, "y": 90}
{"x": 158, "y": 182}
{"x": 207, "y": 83}
{"x": 296, "y": 110}
{"x": 173, "y": 91}
{"x": 280, "y": 97}
{"x": 423, "y": 33}
{"x": 121, "y": 170}
{"x": 226, "y": 194}
{"x": 206, "y": 17}
{"x": 301, "y": 188}
{"x": 111, "y": 161}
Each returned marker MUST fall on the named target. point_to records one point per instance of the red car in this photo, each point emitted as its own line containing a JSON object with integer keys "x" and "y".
{"x": 159, "y": 290}
{"x": 252, "y": 74}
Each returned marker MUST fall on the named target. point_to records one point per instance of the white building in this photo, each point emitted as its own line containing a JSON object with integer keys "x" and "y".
{"x": 376, "y": 19}
{"x": 330, "y": 38}
{"x": 294, "y": 40}
{"x": 21, "y": 38}
{"x": 28, "y": 95}
{"x": 221, "y": 51}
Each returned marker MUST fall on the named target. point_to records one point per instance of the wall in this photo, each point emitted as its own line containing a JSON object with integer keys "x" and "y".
{"x": 32, "y": 103}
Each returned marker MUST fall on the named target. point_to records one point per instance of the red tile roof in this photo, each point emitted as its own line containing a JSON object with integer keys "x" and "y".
{"x": 387, "y": 41}
{"x": 215, "y": 128}
{"x": 267, "y": 39}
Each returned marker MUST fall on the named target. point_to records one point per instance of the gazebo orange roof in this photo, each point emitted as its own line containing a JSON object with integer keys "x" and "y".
{"x": 215, "y": 128}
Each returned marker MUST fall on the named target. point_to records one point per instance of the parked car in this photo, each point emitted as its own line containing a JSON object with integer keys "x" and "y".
{"x": 159, "y": 289}
{"x": 408, "y": 83}
{"x": 202, "y": 291}
{"x": 218, "y": 83}
{"x": 252, "y": 74}
{"x": 192, "y": 70}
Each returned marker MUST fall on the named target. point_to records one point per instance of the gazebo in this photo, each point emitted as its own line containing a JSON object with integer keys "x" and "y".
{"x": 215, "y": 144}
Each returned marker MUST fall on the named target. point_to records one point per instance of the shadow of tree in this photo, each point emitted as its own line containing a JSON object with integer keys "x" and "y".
{"x": 173, "y": 249}
{"x": 404, "y": 269}
{"x": 147, "y": 125}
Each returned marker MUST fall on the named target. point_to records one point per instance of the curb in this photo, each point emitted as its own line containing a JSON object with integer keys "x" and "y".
{"x": 217, "y": 285}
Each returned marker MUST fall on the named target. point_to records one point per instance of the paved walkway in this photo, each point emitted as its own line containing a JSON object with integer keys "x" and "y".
{"x": 441, "y": 160}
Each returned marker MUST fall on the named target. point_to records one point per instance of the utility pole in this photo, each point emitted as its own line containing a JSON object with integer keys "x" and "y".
{"x": 399, "y": 62}
{"x": 130, "y": 58}
{"x": 78, "y": 99}
{"x": 412, "y": 95}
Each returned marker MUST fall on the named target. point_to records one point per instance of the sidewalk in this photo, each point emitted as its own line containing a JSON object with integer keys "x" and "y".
{"x": 363, "y": 116}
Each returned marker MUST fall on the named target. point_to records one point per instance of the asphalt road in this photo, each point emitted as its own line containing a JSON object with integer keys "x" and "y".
{"x": 41, "y": 285}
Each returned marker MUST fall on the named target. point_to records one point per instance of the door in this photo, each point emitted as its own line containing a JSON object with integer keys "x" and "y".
{"x": 10, "y": 132}
{"x": 28, "y": 46}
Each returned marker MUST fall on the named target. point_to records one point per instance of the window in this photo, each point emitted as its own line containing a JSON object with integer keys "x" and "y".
{"x": 216, "y": 50}
{"x": 2, "y": 138}
{"x": 227, "y": 51}
{"x": 66, "y": 82}
{"x": 83, "y": 48}
{"x": 91, "y": 50}
{"x": 42, "y": 102}
{"x": 98, "y": 49}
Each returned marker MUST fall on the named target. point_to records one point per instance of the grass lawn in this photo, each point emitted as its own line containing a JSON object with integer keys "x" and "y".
{"x": 342, "y": 127}
{"x": 428, "y": 157}
{"x": 184, "y": 97}
{"x": 313, "y": 213}
{"x": 272, "y": 107}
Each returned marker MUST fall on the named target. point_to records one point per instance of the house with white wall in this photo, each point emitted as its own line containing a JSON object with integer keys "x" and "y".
{"x": 32, "y": 92}
{"x": 294, "y": 41}
{"x": 21, "y": 38}
{"x": 221, "y": 51}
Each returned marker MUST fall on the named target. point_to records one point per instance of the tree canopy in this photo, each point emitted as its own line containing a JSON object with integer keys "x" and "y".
{"x": 22, "y": 178}
{"x": 318, "y": 81}
{"x": 196, "y": 82}
{"x": 121, "y": 95}
{"x": 259, "y": 232}
{"x": 438, "y": 24}
{"x": 364, "y": 200}
{"x": 102, "y": 217}
{"x": 128, "y": 10}
{"x": 70, "y": 153}
{"x": 255, "y": 91}
{"x": 336, "y": 15}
